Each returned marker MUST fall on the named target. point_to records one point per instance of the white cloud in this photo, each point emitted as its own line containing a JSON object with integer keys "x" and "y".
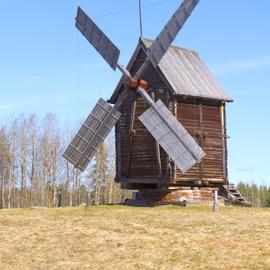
{"x": 245, "y": 169}
{"x": 6, "y": 106}
{"x": 241, "y": 65}
{"x": 29, "y": 79}
{"x": 44, "y": 101}
{"x": 16, "y": 104}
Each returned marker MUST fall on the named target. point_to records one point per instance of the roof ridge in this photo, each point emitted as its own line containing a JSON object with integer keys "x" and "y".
{"x": 143, "y": 39}
{"x": 183, "y": 71}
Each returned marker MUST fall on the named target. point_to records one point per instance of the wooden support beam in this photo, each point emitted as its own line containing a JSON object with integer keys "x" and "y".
{"x": 131, "y": 134}
{"x": 122, "y": 97}
{"x": 145, "y": 180}
{"x": 157, "y": 150}
{"x": 167, "y": 97}
{"x": 174, "y": 104}
{"x": 222, "y": 139}
{"x": 224, "y": 142}
{"x": 88, "y": 199}
{"x": 201, "y": 138}
{"x": 118, "y": 150}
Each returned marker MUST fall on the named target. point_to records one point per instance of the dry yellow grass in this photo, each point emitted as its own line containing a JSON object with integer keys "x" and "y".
{"x": 121, "y": 237}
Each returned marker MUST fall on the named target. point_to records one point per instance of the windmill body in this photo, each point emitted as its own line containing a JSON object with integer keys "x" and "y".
{"x": 168, "y": 113}
{"x": 184, "y": 84}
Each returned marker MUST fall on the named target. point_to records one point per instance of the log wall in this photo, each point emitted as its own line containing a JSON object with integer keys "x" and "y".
{"x": 137, "y": 159}
{"x": 203, "y": 120}
{"x": 138, "y": 155}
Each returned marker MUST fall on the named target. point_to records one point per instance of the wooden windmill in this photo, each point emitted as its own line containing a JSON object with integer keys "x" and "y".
{"x": 168, "y": 113}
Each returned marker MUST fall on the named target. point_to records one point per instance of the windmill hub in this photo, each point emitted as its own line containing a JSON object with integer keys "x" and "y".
{"x": 135, "y": 84}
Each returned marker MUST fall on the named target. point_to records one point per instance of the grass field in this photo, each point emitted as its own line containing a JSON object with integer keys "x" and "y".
{"x": 122, "y": 237}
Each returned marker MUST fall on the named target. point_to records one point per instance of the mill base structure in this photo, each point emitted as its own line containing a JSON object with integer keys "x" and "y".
{"x": 173, "y": 196}
{"x": 228, "y": 195}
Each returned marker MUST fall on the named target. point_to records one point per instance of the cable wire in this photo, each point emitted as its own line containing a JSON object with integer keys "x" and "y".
{"x": 132, "y": 9}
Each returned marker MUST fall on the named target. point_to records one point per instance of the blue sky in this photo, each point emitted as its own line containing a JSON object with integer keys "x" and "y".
{"x": 47, "y": 66}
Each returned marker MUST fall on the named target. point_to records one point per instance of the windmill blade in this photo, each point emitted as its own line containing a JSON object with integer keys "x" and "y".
{"x": 91, "y": 134}
{"x": 170, "y": 31}
{"x": 170, "y": 134}
{"x": 97, "y": 38}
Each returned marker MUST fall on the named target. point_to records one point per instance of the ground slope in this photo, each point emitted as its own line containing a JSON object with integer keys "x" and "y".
{"x": 122, "y": 237}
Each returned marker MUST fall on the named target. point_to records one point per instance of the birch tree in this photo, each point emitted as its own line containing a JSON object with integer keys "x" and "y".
{"x": 100, "y": 171}
{"x": 33, "y": 158}
{"x": 22, "y": 157}
{"x": 3, "y": 164}
{"x": 11, "y": 159}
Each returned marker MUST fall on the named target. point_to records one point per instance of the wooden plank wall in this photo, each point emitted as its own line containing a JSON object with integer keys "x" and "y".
{"x": 188, "y": 115}
{"x": 212, "y": 143}
{"x": 202, "y": 119}
{"x": 204, "y": 122}
{"x": 142, "y": 152}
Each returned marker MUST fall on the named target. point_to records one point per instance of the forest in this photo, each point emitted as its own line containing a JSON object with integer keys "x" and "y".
{"x": 34, "y": 173}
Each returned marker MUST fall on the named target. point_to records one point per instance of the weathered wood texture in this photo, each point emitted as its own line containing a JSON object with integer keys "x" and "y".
{"x": 136, "y": 150}
{"x": 188, "y": 115}
{"x": 91, "y": 134}
{"x": 174, "y": 196}
{"x": 225, "y": 147}
{"x": 204, "y": 123}
{"x": 137, "y": 156}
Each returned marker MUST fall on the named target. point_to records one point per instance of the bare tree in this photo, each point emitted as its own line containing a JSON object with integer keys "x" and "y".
{"x": 33, "y": 154}
{"x": 3, "y": 163}
{"x": 54, "y": 165}
{"x": 44, "y": 162}
{"x": 69, "y": 188}
{"x": 100, "y": 171}
{"x": 11, "y": 158}
{"x": 22, "y": 157}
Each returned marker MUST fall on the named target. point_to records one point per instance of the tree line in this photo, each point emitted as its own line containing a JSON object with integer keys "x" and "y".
{"x": 258, "y": 195}
{"x": 34, "y": 173}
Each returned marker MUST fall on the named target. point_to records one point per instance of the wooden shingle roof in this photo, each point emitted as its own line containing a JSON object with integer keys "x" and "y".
{"x": 185, "y": 73}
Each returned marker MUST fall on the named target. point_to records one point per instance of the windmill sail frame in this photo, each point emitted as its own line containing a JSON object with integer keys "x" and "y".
{"x": 97, "y": 38}
{"x": 91, "y": 134}
{"x": 181, "y": 147}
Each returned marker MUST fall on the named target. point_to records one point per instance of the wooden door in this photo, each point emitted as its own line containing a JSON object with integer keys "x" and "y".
{"x": 205, "y": 123}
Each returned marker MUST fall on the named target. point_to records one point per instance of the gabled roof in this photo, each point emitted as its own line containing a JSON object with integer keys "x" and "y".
{"x": 184, "y": 72}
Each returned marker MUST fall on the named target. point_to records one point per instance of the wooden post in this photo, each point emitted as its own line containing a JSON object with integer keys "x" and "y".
{"x": 157, "y": 150}
{"x": 174, "y": 111}
{"x": 168, "y": 168}
{"x": 88, "y": 199}
{"x": 215, "y": 201}
{"x": 201, "y": 138}
{"x": 224, "y": 141}
{"x": 131, "y": 134}
{"x": 118, "y": 150}
{"x": 59, "y": 202}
